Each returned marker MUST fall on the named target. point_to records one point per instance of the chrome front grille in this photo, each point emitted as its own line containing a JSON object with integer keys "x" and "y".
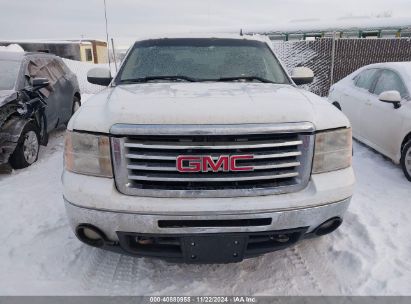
{"x": 144, "y": 158}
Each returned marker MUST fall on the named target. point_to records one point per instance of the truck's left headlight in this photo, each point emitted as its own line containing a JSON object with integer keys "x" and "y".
{"x": 333, "y": 150}
{"x": 87, "y": 154}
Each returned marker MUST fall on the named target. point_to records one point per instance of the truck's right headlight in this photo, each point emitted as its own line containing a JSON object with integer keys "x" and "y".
{"x": 87, "y": 154}
{"x": 333, "y": 150}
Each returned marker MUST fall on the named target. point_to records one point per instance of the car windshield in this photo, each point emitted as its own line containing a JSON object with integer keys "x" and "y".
{"x": 8, "y": 74}
{"x": 201, "y": 60}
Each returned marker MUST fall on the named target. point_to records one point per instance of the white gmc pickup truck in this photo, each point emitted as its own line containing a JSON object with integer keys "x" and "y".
{"x": 204, "y": 150}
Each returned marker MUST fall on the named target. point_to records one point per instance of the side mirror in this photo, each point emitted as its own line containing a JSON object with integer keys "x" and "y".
{"x": 99, "y": 76}
{"x": 302, "y": 75}
{"x": 39, "y": 83}
{"x": 393, "y": 97}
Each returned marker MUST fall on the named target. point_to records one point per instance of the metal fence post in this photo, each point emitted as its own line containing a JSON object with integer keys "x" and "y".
{"x": 332, "y": 60}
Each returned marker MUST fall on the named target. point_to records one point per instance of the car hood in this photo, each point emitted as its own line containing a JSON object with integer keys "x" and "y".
{"x": 204, "y": 103}
{"x": 6, "y": 96}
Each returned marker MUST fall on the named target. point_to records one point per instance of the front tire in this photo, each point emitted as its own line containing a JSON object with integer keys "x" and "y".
{"x": 406, "y": 160}
{"x": 27, "y": 149}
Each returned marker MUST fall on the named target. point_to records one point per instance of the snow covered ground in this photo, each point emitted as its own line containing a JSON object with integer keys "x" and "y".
{"x": 39, "y": 254}
{"x": 369, "y": 255}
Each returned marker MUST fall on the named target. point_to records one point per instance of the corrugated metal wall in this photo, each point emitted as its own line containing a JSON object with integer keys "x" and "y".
{"x": 349, "y": 55}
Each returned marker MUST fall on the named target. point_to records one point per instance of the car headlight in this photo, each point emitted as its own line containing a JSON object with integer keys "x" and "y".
{"x": 87, "y": 154}
{"x": 333, "y": 150}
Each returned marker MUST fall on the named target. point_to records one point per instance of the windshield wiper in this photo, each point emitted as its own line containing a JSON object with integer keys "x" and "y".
{"x": 191, "y": 79}
{"x": 245, "y": 78}
{"x": 152, "y": 78}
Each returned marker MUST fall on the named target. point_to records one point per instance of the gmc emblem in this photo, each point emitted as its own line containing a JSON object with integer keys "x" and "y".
{"x": 205, "y": 163}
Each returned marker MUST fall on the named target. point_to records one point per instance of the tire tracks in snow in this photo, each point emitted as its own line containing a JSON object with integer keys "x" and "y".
{"x": 111, "y": 273}
{"x": 100, "y": 270}
{"x": 114, "y": 274}
{"x": 303, "y": 271}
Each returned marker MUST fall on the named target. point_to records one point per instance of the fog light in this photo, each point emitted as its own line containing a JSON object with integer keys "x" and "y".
{"x": 144, "y": 240}
{"x": 90, "y": 235}
{"x": 328, "y": 226}
{"x": 281, "y": 238}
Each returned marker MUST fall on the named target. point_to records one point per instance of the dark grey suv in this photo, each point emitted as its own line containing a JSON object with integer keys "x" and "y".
{"x": 38, "y": 93}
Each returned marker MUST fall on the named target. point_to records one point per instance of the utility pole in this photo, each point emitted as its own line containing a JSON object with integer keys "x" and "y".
{"x": 107, "y": 41}
{"x": 114, "y": 54}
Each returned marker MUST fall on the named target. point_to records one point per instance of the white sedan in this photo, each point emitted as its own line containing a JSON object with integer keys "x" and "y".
{"x": 377, "y": 100}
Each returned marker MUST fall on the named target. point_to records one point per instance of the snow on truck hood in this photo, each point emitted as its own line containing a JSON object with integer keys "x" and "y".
{"x": 204, "y": 103}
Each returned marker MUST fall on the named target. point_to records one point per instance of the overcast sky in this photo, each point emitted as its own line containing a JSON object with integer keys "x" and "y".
{"x": 129, "y": 19}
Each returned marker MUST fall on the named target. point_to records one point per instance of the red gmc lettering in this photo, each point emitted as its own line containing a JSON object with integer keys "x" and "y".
{"x": 194, "y": 164}
{"x": 206, "y": 163}
{"x": 210, "y": 165}
{"x": 235, "y": 167}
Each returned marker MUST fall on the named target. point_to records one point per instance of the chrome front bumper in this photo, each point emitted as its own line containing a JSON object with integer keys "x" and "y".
{"x": 111, "y": 222}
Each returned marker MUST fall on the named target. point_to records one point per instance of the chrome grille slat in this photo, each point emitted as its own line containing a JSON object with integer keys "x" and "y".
{"x": 258, "y": 155}
{"x": 173, "y": 168}
{"x": 218, "y": 146}
{"x": 145, "y": 159}
{"x": 193, "y": 178}
{"x": 226, "y": 129}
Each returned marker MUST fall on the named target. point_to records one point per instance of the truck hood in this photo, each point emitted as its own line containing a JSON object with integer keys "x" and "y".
{"x": 204, "y": 103}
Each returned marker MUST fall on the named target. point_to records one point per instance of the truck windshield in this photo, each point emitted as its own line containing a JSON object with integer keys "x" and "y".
{"x": 8, "y": 74}
{"x": 201, "y": 59}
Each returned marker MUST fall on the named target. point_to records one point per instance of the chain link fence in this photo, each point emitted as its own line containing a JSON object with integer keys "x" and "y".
{"x": 333, "y": 59}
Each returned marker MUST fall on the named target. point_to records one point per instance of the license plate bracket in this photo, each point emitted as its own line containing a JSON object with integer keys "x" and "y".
{"x": 214, "y": 248}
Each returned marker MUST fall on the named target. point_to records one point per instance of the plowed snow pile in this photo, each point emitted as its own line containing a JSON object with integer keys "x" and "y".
{"x": 369, "y": 255}
{"x": 81, "y": 69}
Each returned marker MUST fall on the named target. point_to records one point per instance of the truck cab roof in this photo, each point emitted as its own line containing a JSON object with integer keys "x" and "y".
{"x": 206, "y": 36}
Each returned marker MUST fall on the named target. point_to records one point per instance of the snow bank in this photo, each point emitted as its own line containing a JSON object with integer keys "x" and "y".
{"x": 12, "y": 48}
{"x": 80, "y": 69}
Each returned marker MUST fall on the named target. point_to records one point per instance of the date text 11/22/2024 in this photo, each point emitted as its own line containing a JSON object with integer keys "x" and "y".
{"x": 203, "y": 299}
